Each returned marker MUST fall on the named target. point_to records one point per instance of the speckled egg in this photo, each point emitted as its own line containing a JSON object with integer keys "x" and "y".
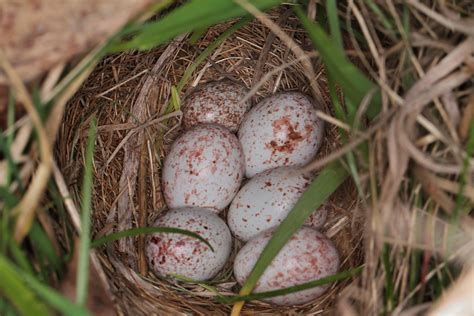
{"x": 170, "y": 254}
{"x": 308, "y": 256}
{"x": 266, "y": 200}
{"x": 216, "y": 102}
{"x": 204, "y": 168}
{"x": 282, "y": 130}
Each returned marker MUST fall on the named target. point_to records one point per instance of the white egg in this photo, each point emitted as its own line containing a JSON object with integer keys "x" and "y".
{"x": 204, "y": 168}
{"x": 170, "y": 253}
{"x": 266, "y": 200}
{"x": 216, "y": 102}
{"x": 282, "y": 130}
{"x": 308, "y": 256}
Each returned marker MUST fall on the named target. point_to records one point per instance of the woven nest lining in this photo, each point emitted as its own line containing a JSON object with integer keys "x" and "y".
{"x": 109, "y": 94}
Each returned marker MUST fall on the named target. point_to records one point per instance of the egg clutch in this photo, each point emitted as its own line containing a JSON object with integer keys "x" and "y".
{"x": 203, "y": 174}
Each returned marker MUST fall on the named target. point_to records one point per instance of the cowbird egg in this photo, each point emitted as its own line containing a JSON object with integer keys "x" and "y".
{"x": 308, "y": 256}
{"x": 204, "y": 168}
{"x": 282, "y": 130}
{"x": 171, "y": 253}
{"x": 216, "y": 102}
{"x": 266, "y": 200}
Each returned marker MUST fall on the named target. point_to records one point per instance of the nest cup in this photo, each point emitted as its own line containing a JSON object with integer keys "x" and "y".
{"x": 129, "y": 153}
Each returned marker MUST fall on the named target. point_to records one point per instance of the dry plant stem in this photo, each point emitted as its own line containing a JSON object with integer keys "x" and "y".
{"x": 465, "y": 26}
{"x": 309, "y": 71}
{"x": 138, "y": 130}
{"x": 51, "y": 80}
{"x": 142, "y": 208}
{"x": 76, "y": 221}
{"x": 262, "y": 59}
{"x": 18, "y": 146}
{"x": 148, "y": 96}
{"x": 26, "y": 208}
{"x": 338, "y": 153}
{"x": 402, "y": 128}
{"x": 332, "y": 120}
{"x": 277, "y": 70}
{"x": 56, "y": 116}
{"x": 467, "y": 118}
{"x": 429, "y": 184}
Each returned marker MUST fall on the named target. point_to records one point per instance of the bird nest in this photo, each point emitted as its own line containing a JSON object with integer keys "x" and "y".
{"x": 130, "y": 94}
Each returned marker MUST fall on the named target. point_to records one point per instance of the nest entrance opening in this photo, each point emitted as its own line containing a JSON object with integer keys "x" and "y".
{"x": 130, "y": 95}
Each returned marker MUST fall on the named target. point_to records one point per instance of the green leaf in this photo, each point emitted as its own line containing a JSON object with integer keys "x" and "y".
{"x": 17, "y": 293}
{"x": 146, "y": 230}
{"x": 292, "y": 289}
{"x": 352, "y": 81}
{"x": 83, "y": 261}
{"x": 191, "y": 16}
{"x": 320, "y": 189}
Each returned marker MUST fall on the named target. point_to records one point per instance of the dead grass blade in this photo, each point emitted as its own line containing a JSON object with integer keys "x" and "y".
{"x": 26, "y": 208}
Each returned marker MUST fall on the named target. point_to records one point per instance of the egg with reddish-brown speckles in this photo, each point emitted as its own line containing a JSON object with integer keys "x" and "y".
{"x": 282, "y": 130}
{"x": 204, "y": 168}
{"x": 172, "y": 253}
{"x": 308, "y": 256}
{"x": 265, "y": 201}
{"x": 216, "y": 102}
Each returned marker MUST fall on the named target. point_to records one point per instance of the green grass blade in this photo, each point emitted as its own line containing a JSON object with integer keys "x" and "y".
{"x": 387, "y": 23}
{"x": 44, "y": 247}
{"x": 191, "y": 16}
{"x": 146, "y": 230}
{"x": 208, "y": 50}
{"x": 328, "y": 180}
{"x": 12, "y": 170}
{"x": 460, "y": 199}
{"x": 352, "y": 81}
{"x": 194, "y": 38}
{"x": 389, "y": 299}
{"x": 9, "y": 201}
{"x": 6, "y": 309}
{"x": 17, "y": 254}
{"x": 18, "y": 294}
{"x": 54, "y": 299}
{"x": 83, "y": 261}
{"x": 204, "y": 54}
{"x": 331, "y": 9}
{"x": 293, "y": 289}
{"x": 175, "y": 99}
